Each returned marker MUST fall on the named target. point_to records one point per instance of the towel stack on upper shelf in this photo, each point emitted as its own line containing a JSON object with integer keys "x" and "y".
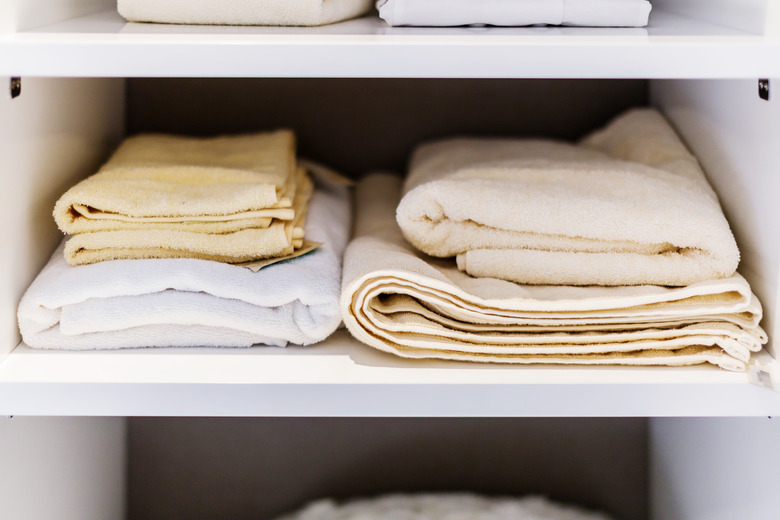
{"x": 612, "y": 251}
{"x": 152, "y": 223}
{"x": 243, "y": 12}
{"x": 594, "y": 13}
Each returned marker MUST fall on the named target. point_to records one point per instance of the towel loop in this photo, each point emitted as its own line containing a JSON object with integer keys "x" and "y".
{"x": 763, "y": 89}
{"x": 16, "y": 87}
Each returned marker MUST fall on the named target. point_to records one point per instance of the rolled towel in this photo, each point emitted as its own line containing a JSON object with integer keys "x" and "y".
{"x": 400, "y": 301}
{"x": 243, "y": 12}
{"x": 593, "y": 13}
{"x": 443, "y": 506}
{"x": 189, "y": 302}
{"x": 230, "y": 199}
{"x": 629, "y": 205}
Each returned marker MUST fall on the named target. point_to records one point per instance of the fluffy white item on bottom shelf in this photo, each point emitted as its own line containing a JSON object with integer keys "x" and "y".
{"x": 593, "y": 13}
{"x": 187, "y": 302}
{"x": 455, "y": 506}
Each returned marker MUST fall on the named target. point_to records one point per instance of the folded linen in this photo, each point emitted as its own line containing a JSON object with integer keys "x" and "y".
{"x": 594, "y": 13}
{"x": 243, "y": 12}
{"x": 443, "y": 506}
{"x": 153, "y": 179}
{"x": 400, "y": 301}
{"x": 279, "y": 238}
{"x": 191, "y": 302}
{"x": 629, "y": 205}
{"x": 229, "y": 199}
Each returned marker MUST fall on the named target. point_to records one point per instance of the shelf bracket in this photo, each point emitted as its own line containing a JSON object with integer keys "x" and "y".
{"x": 763, "y": 89}
{"x": 16, "y": 87}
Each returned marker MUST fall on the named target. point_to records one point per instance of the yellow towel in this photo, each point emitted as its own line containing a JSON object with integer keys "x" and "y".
{"x": 218, "y": 185}
{"x": 279, "y": 239}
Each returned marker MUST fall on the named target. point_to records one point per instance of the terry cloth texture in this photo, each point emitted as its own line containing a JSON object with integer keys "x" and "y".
{"x": 629, "y": 205}
{"x": 190, "y": 302}
{"x": 443, "y": 506}
{"x": 401, "y": 301}
{"x": 593, "y": 13}
{"x": 229, "y": 199}
{"x": 243, "y": 12}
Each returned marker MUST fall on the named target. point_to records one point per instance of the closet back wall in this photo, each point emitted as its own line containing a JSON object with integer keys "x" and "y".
{"x": 257, "y": 468}
{"x": 357, "y": 125}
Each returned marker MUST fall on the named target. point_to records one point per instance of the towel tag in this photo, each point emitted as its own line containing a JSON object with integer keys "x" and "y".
{"x": 256, "y": 265}
{"x": 761, "y": 371}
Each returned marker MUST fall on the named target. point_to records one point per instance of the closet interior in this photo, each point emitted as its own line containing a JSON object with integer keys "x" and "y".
{"x": 234, "y": 433}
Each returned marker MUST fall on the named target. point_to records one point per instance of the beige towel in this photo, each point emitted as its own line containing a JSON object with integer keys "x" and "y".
{"x": 243, "y": 12}
{"x": 161, "y": 179}
{"x": 628, "y": 206}
{"x": 280, "y": 238}
{"x": 401, "y": 301}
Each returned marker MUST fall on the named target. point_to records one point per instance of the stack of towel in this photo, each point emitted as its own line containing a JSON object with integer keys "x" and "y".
{"x": 594, "y": 13}
{"x": 243, "y": 12}
{"x": 228, "y": 199}
{"x": 443, "y": 506}
{"x": 613, "y": 251}
{"x": 142, "y": 272}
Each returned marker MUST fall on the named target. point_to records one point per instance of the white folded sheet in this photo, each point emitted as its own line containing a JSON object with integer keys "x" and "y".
{"x": 591, "y": 13}
{"x": 242, "y": 12}
{"x": 401, "y": 301}
{"x": 189, "y": 302}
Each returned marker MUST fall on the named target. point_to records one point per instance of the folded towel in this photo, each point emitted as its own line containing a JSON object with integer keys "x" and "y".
{"x": 443, "y": 506}
{"x": 627, "y": 206}
{"x": 400, "y": 301}
{"x": 229, "y": 199}
{"x": 280, "y": 238}
{"x": 594, "y": 13}
{"x": 170, "y": 179}
{"x": 190, "y": 302}
{"x": 243, "y": 12}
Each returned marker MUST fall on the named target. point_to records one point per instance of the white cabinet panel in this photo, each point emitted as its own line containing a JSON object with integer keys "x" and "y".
{"x": 49, "y": 136}
{"x": 62, "y": 468}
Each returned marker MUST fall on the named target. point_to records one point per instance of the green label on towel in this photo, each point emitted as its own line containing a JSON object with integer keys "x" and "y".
{"x": 256, "y": 265}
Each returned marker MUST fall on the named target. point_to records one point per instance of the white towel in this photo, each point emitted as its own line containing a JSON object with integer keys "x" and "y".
{"x": 593, "y": 13}
{"x": 401, "y": 301}
{"x": 243, "y": 12}
{"x": 627, "y": 206}
{"x": 443, "y": 506}
{"x": 190, "y": 302}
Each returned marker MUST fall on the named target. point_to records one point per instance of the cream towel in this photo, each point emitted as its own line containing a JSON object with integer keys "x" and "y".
{"x": 162, "y": 179}
{"x": 443, "y": 506}
{"x": 400, "y": 301}
{"x": 243, "y": 12}
{"x": 229, "y": 199}
{"x": 628, "y": 206}
{"x": 279, "y": 239}
{"x": 603, "y": 13}
{"x": 186, "y": 302}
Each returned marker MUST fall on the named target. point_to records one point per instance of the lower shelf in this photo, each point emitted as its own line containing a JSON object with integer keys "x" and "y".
{"x": 342, "y": 378}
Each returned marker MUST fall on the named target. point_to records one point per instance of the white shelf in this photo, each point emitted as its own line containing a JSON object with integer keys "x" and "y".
{"x": 343, "y": 378}
{"x": 104, "y": 45}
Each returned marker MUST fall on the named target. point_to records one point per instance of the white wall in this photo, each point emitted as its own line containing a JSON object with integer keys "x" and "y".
{"x": 62, "y": 468}
{"x": 735, "y": 135}
{"x": 25, "y": 14}
{"x": 56, "y": 133}
{"x": 755, "y": 16}
{"x": 714, "y": 469}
